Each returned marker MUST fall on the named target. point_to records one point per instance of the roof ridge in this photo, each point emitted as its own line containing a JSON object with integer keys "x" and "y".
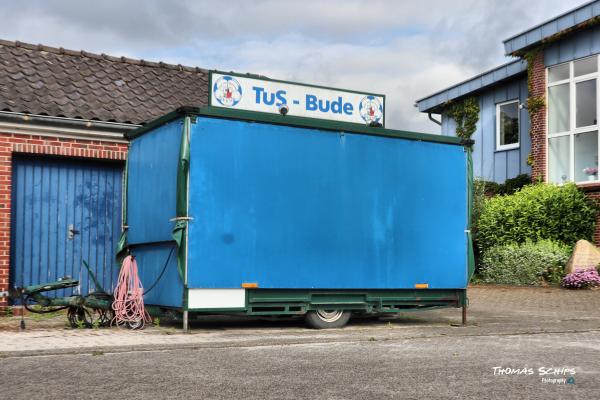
{"x": 479, "y": 75}
{"x": 102, "y": 56}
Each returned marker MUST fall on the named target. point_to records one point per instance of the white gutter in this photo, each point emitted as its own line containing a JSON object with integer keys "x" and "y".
{"x": 73, "y": 128}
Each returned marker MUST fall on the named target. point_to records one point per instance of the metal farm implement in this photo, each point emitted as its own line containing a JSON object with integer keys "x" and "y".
{"x": 83, "y": 311}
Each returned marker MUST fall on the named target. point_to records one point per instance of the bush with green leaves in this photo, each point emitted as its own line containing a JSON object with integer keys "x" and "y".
{"x": 490, "y": 188}
{"x": 529, "y": 263}
{"x": 511, "y": 185}
{"x": 536, "y": 212}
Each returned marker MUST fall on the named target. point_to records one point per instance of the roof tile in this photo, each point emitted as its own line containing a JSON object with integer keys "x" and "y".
{"x": 39, "y": 79}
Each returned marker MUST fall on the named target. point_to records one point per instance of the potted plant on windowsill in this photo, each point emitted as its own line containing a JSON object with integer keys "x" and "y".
{"x": 591, "y": 172}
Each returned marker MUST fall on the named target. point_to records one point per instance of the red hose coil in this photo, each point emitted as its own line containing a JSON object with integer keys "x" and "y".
{"x": 128, "y": 303}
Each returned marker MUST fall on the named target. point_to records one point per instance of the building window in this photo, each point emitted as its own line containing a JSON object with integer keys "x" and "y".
{"x": 507, "y": 125}
{"x": 573, "y": 144}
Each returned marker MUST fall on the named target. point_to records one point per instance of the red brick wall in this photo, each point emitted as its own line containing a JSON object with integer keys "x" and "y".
{"x": 593, "y": 191}
{"x": 35, "y": 144}
{"x": 538, "y": 120}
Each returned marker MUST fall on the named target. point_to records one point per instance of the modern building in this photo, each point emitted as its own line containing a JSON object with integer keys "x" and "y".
{"x": 63, "y": 114}
{"x": 562, "y": 134}
{"x": 538, "y": 113}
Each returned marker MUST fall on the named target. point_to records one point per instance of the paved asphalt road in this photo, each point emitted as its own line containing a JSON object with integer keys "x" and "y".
{"x": 426, "y": 368}
{"x": 420, "y": 356}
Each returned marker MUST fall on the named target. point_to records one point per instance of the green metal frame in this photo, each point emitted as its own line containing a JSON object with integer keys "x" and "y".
{"x": 300, "y": 301}
{"x": 264, "y": 78}
{"x": 35, "y": 292}
{"x": 302, "y": 122}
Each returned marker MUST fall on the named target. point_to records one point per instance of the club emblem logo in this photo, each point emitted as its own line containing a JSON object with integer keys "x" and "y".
{"x": 227, "y": 91}
{"x": 370, "y": 109}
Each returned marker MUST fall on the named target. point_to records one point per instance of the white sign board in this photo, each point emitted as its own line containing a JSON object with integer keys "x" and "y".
{"x": 267, "y": 96}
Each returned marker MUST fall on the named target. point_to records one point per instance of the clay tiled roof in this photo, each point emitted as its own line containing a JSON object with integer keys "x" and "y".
{"x": 52, "y": 81}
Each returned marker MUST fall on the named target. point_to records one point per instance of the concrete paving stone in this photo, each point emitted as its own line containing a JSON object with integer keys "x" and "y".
{"x": 493, "y": 311}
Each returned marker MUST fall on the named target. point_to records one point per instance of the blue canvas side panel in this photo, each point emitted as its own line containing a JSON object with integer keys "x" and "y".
{"x": 301, "y": 208}
{"x": 152, "y": 259}
{"x": 152, "y": 163}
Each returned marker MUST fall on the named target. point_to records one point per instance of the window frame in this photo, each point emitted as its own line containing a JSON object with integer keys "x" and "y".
{"x": 512, "y": 146}
{"x": 573, "y": 131}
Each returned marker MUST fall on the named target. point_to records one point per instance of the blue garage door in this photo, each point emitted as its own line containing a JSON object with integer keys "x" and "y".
{"x": 64, "y": 211}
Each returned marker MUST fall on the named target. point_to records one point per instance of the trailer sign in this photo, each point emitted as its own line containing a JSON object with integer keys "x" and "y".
{"x": 270, "y": 96}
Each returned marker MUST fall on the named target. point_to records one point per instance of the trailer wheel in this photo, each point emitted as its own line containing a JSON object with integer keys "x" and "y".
{"x": 325, "y": 319}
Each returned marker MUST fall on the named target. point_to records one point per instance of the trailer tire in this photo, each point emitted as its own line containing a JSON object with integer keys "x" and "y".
{"x": 327, "y": 319}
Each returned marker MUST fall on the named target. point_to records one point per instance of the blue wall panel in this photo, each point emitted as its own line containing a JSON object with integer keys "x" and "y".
{"x": 513, "y": 164}
{"x": 300, "y": 208}
{"x": 488, "y": 127}
{"x": 580, "y": 44}
{"x": 478, "y": 146}
{"x": 152, "y": 178}
{"x": 49, "y": 194}
{"x": 525, "y": 147}
{"x": 448, "y": 126}
{"x": 485, "y": 155}
{"x": 499, "y": 158}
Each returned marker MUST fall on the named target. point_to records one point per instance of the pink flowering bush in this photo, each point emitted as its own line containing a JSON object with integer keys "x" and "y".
{"x": 581, "y": 278}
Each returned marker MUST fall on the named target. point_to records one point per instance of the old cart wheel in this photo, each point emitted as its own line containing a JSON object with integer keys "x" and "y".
{"x": 138, "y": 324}
{"x": 325, "y": 319}
{"x": 103, "y": 317}
{"x": 131, "y": 324}
{"x": 79, "y": 317}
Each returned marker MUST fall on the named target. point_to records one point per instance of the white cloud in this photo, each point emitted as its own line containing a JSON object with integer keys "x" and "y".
{"x": 405, "y": 49}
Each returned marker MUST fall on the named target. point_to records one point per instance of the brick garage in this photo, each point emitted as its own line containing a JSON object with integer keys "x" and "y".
{"x": 75, "y": 105}
{"x": 53, "y": 146}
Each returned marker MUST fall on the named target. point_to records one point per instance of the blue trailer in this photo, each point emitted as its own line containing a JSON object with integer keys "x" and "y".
{"x": 231, "y": 211}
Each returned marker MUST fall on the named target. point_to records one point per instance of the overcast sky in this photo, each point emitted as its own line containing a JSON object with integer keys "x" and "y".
{"x": 404, "y": 49}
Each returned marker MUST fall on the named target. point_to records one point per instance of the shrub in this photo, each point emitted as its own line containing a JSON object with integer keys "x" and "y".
{"x": 510, "y": 186}
{"x": 536, "y": 212}
{"x": 490, "y": 188}
{"x": 486, "y": 188}
{"x": 581, "y": 279}
{"x": 528, "y": 263}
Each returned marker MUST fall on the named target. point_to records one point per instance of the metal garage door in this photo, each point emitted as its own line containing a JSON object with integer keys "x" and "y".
{"x": 64, "y": 211}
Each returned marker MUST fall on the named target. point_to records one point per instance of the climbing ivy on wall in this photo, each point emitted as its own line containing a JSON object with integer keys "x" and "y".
{"x": 534, "y": 103}
{"x": 466, "y": 115}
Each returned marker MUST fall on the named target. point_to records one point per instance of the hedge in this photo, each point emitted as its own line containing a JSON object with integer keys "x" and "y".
{"x": 534, "y": 213}
{"x": 528, "y": 263}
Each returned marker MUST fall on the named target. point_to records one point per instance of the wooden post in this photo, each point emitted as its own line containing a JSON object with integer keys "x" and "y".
{"x": 464, "y": 315}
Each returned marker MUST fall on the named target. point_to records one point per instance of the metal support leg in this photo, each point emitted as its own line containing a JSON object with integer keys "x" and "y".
{"x": 185, "y": 321}
{"x": 464, "y": 315}
{"x": 22, "y": 311}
